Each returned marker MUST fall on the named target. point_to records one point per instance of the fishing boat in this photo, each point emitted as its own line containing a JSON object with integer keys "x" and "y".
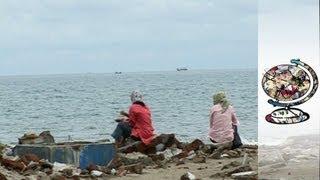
{"x": 182, "y": 69}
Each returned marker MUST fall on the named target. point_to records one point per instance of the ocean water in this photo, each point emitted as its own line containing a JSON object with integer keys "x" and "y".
{"x": 84, "y": 106}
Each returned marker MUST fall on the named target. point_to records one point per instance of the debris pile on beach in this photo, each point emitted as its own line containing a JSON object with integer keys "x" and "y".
{"x": 292, "y": 158}
{"x": 167, "y": 153}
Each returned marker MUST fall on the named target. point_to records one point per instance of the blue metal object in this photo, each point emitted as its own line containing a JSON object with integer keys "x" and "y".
{"x": 81, "y": 154}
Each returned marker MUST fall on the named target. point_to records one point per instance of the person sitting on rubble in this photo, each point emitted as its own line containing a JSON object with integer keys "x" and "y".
{"x": 223, "y": 123}
{"x": 137, "y": 124}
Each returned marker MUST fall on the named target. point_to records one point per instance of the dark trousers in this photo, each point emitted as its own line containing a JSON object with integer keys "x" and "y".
{"x": 122, "y": 131}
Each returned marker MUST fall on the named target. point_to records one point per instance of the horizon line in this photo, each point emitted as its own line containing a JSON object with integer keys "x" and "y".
{"x": 146, "y": 71}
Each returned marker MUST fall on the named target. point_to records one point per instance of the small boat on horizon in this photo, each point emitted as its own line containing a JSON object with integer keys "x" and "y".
{"x": 118, "y": 72}
{"x": 182, "y": 69}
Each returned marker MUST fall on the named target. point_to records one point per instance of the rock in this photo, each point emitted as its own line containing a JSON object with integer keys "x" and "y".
{"x": 2, "y": 176}
{"x": 115, "y": 162}
{"x": 134, "y": 168}
{"x": 34, "y": 177}
{"x": 160, "y": 147}
{"x": 191, "y": 155}
{"x": 188, "y": 176}
{"x": 28, "y": 172}
{"x": 199, "y": 159}
{"x": 95, "y": 173}
{"x": 113, "y": 171}
{"x": 75, "y": 177}
{"x": 233, "y": 154}
{"x": 33, "y": 165}
{"x": 41, "y": 174}
{"x": 157, "y": 157}
{"x": 238, "y": 169}
{"x": 48, "y": 171}
{"x": 13, "y": 164}
{"x": 194, "y": 145}
{"x": 84, "y": 172}
{"x": 245, "y": 160}
{"x": 202, "y": 168}
{"x": 162, "y": 164}
{"x": 67, "y": 172}
{"x": 27, "y": 158}
{"x": 181, "y": 155}
{"x": 121, "y": 171}
{"x": 45, "y": 164}
{"x": 215, "y": 155}
{"x": 248, "y": 146}
{"x": 2, "y": 147}
{"x": 231, "y": 165}
{"x": 249, "y": 175}
{"x": 208, "y": 148}
{"x": 57, "y": 176}
{"x": 134, "y": 158}
{"x": 180, "y": 162}
{"x": 31, "y": 138}
{"x": 92, "y": 167}
{"x": 172, "y": 153}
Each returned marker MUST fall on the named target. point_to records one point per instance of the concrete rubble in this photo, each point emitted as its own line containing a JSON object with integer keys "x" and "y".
{"x": 276, "y": 160}
{"x": 132, "y": 158}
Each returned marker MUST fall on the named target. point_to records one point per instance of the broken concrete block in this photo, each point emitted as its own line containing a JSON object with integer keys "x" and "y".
{"x": 233, "y": 154}
{"x": 188, "y": 176}
{"x": 199, "y": 159}
{"x": 13, "y": 164}
{"x": 95, "y": 173}
{"x": 32, "y": 138}
{"x": 57, "y": 176}
{"x": 2, "y": 176}
{"x": 27, "y": 158}
{"x": 249, "y": 175}
{"x": 231, "y": 165}
{"x": 194, "y": 145}
{"x": 134, "y": 168}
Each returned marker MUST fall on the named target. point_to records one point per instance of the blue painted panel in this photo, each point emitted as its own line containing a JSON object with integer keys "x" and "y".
{"x": 100, "y": 154}
{"x": 40, "y": 151}
{"x": 81, "y": 155}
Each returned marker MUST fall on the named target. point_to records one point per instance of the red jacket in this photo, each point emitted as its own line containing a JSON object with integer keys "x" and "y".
{"x": 140, "y": 120}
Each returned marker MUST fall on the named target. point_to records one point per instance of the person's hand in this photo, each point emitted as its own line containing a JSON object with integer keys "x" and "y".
{"x": 123, "y": 113}
{"x": 122, "y": 119}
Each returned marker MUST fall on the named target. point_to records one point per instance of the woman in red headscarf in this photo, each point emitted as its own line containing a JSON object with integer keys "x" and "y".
{"x": 138, "y": 123}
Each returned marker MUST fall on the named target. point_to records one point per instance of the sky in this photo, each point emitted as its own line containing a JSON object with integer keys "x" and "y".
{"x": 97, "y": 36}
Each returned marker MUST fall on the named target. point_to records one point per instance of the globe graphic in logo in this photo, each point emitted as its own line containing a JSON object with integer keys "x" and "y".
{"x": 289, "y": 85}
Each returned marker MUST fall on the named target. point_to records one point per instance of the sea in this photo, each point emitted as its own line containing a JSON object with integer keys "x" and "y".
{"x": 82, "y": 107}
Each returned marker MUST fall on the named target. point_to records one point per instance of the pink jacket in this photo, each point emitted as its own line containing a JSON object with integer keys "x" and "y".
{"x": 221, "y": 129}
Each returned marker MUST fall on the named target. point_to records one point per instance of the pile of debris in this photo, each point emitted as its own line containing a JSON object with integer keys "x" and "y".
{"x": 134, "y": 157}
{"x": 303, "y": 149}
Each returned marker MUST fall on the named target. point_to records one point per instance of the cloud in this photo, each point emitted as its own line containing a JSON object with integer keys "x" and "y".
{"x": 82, "y": 31}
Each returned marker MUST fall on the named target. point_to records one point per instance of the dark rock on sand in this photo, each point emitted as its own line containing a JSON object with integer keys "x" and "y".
{"x": 2, "y": 176}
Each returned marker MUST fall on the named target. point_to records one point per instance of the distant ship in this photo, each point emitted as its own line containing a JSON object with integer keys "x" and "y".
{"x": 182, "y": 69}
{"x": 118, "y": 72}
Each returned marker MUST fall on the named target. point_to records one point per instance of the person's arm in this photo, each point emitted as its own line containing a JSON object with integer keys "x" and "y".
{"x": 235, "y": 121}
{"x": 132, "y": 118}
{"x": 211, "y": 115}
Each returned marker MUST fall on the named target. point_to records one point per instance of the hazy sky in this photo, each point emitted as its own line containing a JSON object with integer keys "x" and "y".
{"x": 74, "y": 36}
